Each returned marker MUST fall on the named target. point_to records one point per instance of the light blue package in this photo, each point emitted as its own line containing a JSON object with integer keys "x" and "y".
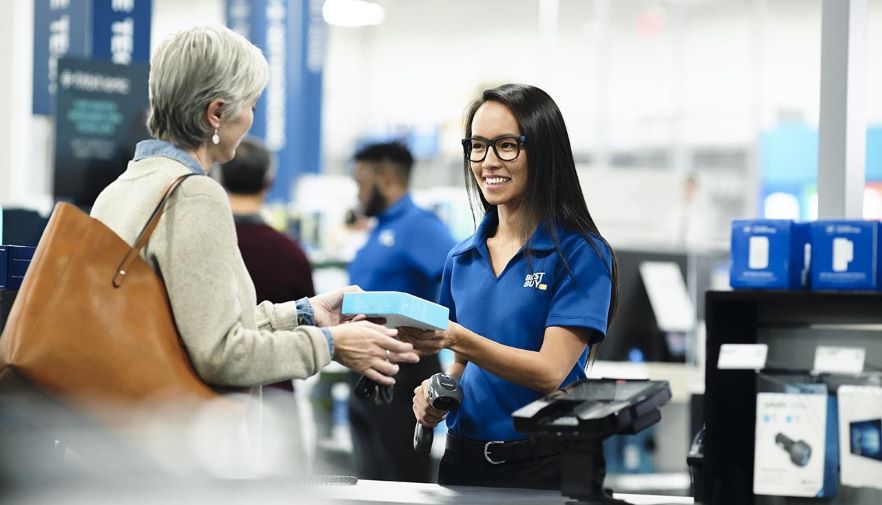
{"x": 399, "y": 309}
{"x": 769, "y": 254}
{"x": 845, "y": 255}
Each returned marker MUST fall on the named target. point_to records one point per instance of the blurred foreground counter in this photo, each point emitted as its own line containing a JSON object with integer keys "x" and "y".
{"x": 137, "y": 489}
{"x": 380, "y": 492}
{"x": 134, "y": 488}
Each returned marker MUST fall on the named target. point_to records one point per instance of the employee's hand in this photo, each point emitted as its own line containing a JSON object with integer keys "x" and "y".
{"x": 425, "y": 342}
{"x": 326, "y": 306}
{"x": 371, "y": 350}
{"x": 425, "y": 414}
{"x": 451, "y": 335}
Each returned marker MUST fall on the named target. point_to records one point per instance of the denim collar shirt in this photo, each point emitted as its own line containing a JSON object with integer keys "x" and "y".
{"x": 152, "y": 148}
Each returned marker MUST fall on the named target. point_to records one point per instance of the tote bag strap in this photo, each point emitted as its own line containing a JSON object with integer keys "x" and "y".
{"x": 144, "y": 236}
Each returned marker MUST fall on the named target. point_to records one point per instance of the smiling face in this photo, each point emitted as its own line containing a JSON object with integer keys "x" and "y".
{"x": 501, "y": 182}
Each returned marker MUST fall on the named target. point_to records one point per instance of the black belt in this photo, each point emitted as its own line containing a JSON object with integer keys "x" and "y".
{"x": 495, "y": 452}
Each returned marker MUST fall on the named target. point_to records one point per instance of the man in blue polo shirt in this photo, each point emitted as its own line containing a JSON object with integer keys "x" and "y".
{"x": 404, "y": 252}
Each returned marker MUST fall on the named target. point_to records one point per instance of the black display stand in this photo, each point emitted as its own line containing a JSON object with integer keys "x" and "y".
{"x": 579, "y": 417}
{"x": 792, "y": 324}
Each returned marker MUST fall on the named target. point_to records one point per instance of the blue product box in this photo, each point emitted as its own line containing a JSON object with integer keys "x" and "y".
{"x": 845, "y": 255}
{"x": 399, "y": 309}
{"x": 769, "y": 254}
{"x": 3, "y": 273}
{"x": 18, "y": 259}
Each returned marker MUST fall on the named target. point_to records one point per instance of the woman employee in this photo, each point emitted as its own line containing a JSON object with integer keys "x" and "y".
{"x": 528, "y": 293}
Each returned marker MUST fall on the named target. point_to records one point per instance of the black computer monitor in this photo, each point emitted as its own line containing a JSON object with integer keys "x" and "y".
{"x": 635, "y": 331}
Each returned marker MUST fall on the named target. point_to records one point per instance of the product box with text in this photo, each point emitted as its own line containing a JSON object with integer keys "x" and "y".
{"x": 769, "y": 254}
{"x": 793, "y": 455}
{"x": 845, "y": 256}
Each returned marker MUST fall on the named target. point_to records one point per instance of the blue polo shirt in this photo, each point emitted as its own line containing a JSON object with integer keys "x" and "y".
{"x": 534, "y": 292}
{"x": 404, "y": 252}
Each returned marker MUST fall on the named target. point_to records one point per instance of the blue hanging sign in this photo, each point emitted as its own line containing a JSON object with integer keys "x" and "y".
{"x": 292, "y": 35}
{"x": 121, "y": 31}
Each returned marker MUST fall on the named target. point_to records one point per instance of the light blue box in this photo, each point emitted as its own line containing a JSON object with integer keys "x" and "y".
{"x": 769, "y": 254}
{"x": 399, "y": 309}
{"x": 845, "y": 256}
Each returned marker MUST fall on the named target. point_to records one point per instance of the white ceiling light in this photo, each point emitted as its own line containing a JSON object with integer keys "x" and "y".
{"x": 352, "y": 13}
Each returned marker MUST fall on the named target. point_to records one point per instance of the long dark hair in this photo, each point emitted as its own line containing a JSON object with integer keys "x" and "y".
{"x": 553, "y": 196}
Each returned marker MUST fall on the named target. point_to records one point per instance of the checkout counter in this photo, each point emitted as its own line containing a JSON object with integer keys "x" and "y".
{"x": 576, "y": 419}
{"x": 377, "y": 492}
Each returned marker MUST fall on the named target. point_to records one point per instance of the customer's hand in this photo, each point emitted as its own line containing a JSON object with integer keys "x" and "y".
{"x": 425, "y": 342}
{"x": 425, "y": 414}
{"x": 371, "y": 350}
{"x": 326, "y": 306}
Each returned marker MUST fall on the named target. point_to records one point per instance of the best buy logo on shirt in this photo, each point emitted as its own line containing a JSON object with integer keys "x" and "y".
{"x": 387, "y": 238}
{"x": 535, "y": 281}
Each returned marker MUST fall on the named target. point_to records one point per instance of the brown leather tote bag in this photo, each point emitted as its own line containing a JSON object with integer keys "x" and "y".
{"x": 92, "y": 324}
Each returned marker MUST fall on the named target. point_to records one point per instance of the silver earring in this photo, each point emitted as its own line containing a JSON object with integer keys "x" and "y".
{"x": 215, "y": 139}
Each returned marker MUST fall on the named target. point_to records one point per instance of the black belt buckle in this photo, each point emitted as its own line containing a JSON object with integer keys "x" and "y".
{"x": 487, "y": 447}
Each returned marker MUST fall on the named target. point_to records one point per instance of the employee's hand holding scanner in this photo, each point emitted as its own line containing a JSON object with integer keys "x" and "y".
{"x": 432, "y": 399}
{"x": 443, "y": 395}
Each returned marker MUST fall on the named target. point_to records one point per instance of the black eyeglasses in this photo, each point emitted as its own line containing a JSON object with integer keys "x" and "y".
{"x": 506, "y": 147}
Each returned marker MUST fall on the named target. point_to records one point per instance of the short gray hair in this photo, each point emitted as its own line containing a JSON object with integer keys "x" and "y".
{"x": 193, "y": 67}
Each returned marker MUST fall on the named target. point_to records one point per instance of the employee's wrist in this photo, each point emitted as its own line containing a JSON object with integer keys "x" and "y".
{"x": 453, "y": 336}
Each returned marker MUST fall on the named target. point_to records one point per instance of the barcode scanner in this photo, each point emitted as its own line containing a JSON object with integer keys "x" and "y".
{"x": 444, "y": 394}
{"x": 800, "y": 452}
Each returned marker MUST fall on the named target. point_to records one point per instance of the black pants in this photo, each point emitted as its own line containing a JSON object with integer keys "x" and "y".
{"x": 382, "y": 435}
{"x": 466, "y": 465}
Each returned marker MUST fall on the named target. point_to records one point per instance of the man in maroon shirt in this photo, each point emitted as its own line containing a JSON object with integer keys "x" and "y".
{"x": 279, "y": 268}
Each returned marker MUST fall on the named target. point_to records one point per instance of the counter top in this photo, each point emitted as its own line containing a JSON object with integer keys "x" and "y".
{"x": 379, "y": 492}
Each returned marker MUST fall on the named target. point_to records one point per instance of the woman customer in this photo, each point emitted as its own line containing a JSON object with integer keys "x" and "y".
{"x": 529, "y": 293}
{"x": 204, "y": 83}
